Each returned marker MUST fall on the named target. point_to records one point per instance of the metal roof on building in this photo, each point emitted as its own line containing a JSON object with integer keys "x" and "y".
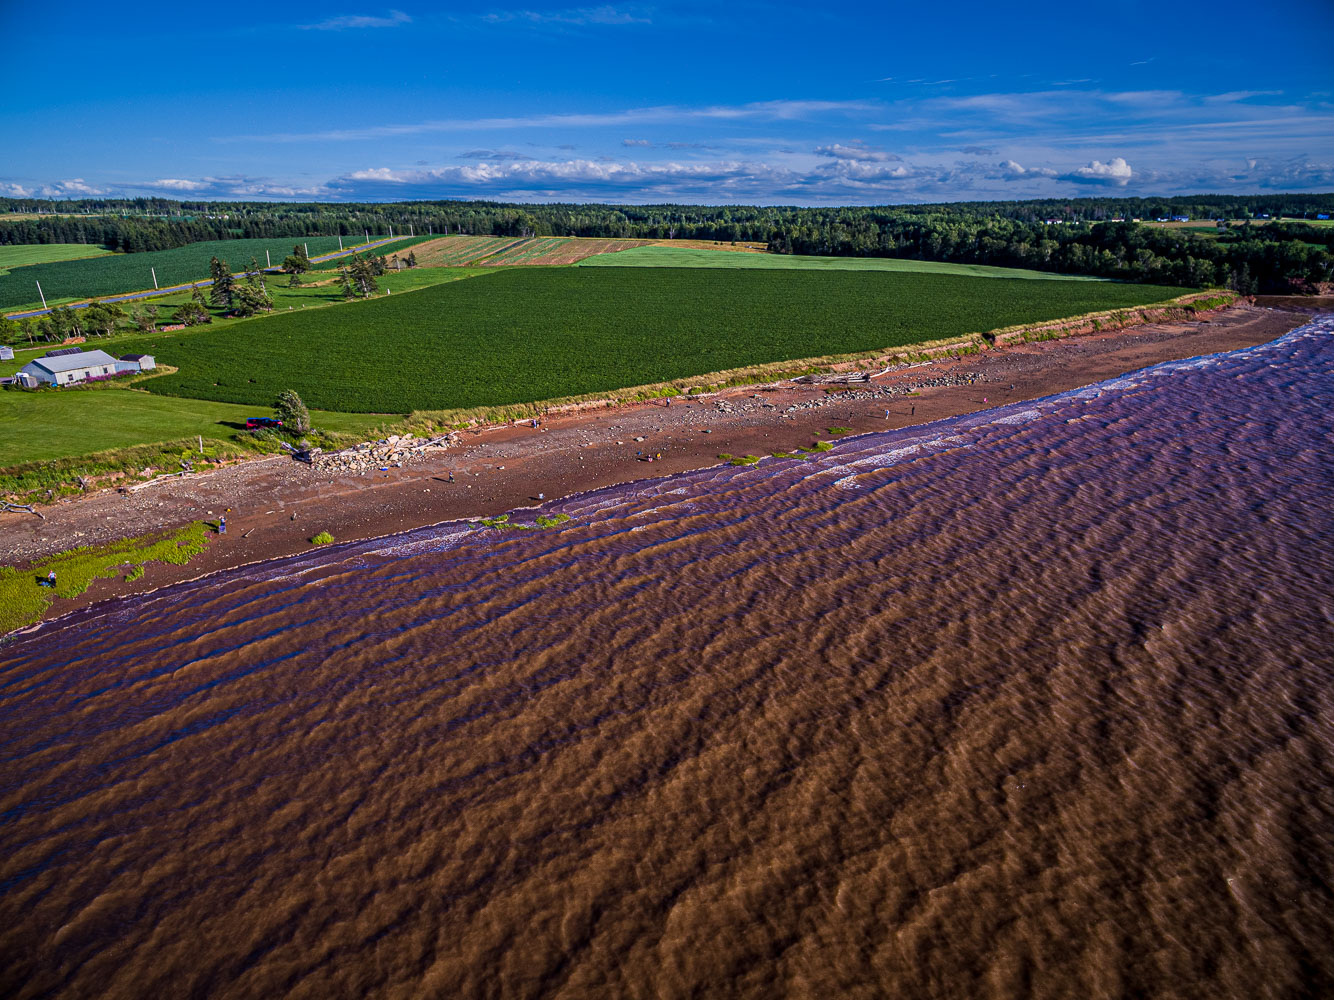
{"x": 73, "y": 362}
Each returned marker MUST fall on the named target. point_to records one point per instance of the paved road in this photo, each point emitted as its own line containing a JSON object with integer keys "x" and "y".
{"x": 154, "y": 292}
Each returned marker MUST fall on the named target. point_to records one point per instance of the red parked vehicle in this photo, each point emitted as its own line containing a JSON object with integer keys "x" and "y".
{"x": 257, "y": 423}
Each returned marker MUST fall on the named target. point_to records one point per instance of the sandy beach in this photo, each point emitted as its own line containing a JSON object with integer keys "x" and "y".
{"x": 274, "y": 505}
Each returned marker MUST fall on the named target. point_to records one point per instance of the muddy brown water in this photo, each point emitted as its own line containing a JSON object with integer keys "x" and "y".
{"x": 1028, "y": 703}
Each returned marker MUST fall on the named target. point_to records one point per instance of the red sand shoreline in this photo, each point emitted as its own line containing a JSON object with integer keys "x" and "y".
{"x": 275, "y": 505}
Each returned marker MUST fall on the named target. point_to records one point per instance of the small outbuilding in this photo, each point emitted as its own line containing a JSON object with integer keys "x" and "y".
{"x": 6, "y": 353}
{"x": 68, "y": 369}
{"x": 140, "y": 362}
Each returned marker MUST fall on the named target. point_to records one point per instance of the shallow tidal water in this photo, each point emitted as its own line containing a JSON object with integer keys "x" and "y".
{"x": 1034, "y": 702}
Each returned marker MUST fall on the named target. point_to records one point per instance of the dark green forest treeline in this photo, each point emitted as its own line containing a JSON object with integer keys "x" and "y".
{"x": 1080, "y": 236}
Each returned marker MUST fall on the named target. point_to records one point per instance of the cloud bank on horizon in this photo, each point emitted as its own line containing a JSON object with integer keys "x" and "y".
{"x": 680, "y": 102}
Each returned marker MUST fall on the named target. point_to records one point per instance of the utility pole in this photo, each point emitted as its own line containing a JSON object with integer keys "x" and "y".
{"x": 368, "y": 234}
{"x": 391, "y": 232}
{"x": 42, "y": 294}
{"x": 306, "y": 247}
{"x": 268, "y": 261}
{"x": 340, "y": 244}
{"x": 411, "y": 231}
{"x": 154, "y": 270}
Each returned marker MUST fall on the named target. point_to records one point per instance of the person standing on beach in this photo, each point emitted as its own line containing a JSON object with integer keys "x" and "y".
{"x": 51, "y": 579}
{"x": 222, "y": 524}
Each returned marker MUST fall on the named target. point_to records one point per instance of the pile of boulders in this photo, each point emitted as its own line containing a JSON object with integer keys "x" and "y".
{"x": 390, "y": 452}
{"x": 888, "y": 391}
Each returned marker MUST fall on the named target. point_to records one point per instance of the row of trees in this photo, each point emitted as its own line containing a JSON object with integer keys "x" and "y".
{"x": 101, "y": 319}
{"x": 1078, "y": 236}
{"x": 1292, "y": 258}
{"x": 135, "y": 225}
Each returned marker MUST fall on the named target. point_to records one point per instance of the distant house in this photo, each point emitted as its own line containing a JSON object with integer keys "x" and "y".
{"x": 67, "y": 369}
{"x": 6, "y": 353}
{"x": 1322, "y": 215}
{"x": 22, "y": 378}
{"x": 135, "y": 363}
{"x": 1181, "y": 218}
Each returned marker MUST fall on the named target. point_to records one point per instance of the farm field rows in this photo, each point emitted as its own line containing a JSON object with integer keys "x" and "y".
{"x": 111, "y": 274}
{"x": 45, "y": 253}
{"x": 530, "y": 334}
{"x": 460, "y": 251}
{"x": 497, "y": 251}
{"x": 400, "y": 246}
{"x": 672, "y": 256}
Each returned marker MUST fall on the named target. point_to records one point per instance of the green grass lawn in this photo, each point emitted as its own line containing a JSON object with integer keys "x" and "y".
{"x": 40, "y": 426}
{"x": 529, "y": 334}
{"x": 45, "y": 253}
{"x": 691, "y": 257}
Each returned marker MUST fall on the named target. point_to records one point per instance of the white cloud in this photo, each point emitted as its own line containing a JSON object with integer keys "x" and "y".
{"x": 11, "y": 190}
{"x": 346, "y": 21}
{"x": 760, "y": 110}
{"x": 603, "y": 15}
{"x": 635, "y": 142}
{"x": 1115, "y": 172}
{"x": 857, "y": 151}
{"x": 1010, "y": 170}
{"x": 177, "y": 184}
{"x": 69, "y": 189}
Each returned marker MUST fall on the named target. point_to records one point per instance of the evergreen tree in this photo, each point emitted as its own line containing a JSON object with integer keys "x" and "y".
{"x": 292, "y": 412}
{"x": 250, "y": 299}
{"x": 193, "y": 314}
{"x": 224, "y": 285}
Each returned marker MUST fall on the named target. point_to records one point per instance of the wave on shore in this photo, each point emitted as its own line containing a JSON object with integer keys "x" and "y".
{"x": 1030, "y": 701}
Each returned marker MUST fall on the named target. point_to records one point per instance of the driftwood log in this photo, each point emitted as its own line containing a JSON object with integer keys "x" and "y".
{"x": 20, "y": 508}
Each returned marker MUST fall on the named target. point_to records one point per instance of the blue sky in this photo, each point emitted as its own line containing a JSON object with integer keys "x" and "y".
{"x": 819, "y": 103}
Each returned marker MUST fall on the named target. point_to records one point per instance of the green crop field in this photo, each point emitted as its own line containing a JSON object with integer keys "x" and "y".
{"x": 70, "y": 280}
{"x": 690, "y": 257}
{"x": 40, "y": 426}
{"x": 527, "y": 334}
{"x": 45, "y": 253}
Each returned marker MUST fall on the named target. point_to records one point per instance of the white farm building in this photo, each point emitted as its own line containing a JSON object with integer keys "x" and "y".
{"x": 66, "y": 369}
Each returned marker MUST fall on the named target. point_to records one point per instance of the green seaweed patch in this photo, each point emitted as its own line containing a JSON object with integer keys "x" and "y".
{"x": 323, "y": 538}
{"x": 740, "y": 459}
{"x": 838, "y": 430}
{"x": 798, "y": 455}
{"x": 25, "y": 598}
{"x": 502, "y": 522}
{"x": 822, "y": 446}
